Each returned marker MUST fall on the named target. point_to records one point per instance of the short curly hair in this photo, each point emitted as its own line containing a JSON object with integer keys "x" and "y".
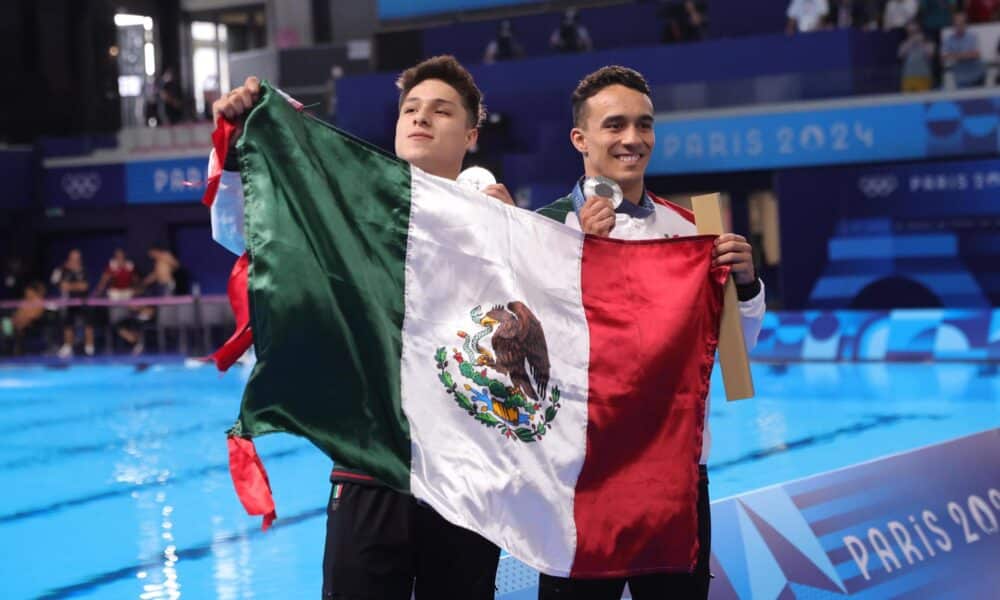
{"x": 602, "y": 78}
{"x": 449, "y": 70}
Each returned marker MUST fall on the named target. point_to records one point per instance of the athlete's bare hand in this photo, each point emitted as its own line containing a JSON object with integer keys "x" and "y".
{"x": 597, "y": 216}
{"x": 235, "y": 105}
{"x": 499, "y": 191}
{"x": 734, "y": 250}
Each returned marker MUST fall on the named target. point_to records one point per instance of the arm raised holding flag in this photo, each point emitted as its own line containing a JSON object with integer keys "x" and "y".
{"x": 373, "y": 531}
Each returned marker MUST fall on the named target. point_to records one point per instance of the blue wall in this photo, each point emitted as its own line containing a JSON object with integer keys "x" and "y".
{"x": 17, "y": 170}
{"x": 727, "y": 18}
{"x": 207, "y": 263}
{"x": 895, "y": 235}
{"x": 733, "y": 18}
{"x": 404, "y": 9}
{"x": 619, "y": 26}
{"x": 95, "y": 247}
{"x": 534, "y": 92}
{"x": 609, "y": 27}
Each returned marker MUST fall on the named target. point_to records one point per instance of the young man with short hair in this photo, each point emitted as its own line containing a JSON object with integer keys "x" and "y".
{"x": 380, "y": 543}
{"x": 613, "y": 132}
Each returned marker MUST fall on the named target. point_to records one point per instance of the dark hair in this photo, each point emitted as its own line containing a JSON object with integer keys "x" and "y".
{"x": 450, "y": 71}
{"x": 602, "y": 78}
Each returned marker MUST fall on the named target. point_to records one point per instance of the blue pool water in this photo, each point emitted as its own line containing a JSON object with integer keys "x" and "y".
{"x": 114, "y": 480}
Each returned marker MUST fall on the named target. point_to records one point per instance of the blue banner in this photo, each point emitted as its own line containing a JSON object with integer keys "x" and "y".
{"x": 163, "y": 181}
{"x": 910, "y": 335}
{"x": 17, "y": 170}
{"x": 850, "y": 134}
{"x": 404, "y": 9}
{"x": 88, "y": 185}
{"x": 912, "y": 235}
{"x": 924, "y": 524}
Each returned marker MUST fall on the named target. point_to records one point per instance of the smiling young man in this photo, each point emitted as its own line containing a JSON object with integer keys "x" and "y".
{"x": 613, "y": 131}
{"x": 382, "y": 544}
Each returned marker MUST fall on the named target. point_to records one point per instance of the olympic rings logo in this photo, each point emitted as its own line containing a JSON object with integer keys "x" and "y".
{"x": 878, "y": 186}
{"x": 81, "y": 185}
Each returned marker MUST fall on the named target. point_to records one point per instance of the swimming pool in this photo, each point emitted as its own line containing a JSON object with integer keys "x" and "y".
{"x": 115, "y": 481}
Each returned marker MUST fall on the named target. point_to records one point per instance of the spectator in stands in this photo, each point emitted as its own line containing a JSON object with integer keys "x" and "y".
{"x": 571, "y": 35}
{"x": 982, "y": 11}
{"x": 806, "y": 15}
{"x": 504, "y": 47}
{"x": 27, "y": 318}
{"x": 851, "y": 13}
{"x": 917, "y": 54}
{"x": 161, "y": 281}
{"x": 70, "y": 279}
{"x": 960, "y": 55}
{"x": 684, "y": 21}
{"x": 170, "y": 101}
{"x": 898, "y": 13}
{"x": 120, "y": 274}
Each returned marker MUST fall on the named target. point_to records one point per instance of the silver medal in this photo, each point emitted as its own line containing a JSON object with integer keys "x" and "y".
{"x": 603, "y": 187}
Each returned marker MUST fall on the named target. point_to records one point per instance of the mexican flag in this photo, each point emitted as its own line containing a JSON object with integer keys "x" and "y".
{"x": 543, "y": 388}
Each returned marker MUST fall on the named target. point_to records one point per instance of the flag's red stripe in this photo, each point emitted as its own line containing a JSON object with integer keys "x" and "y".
{"x": 221, "y": 139}
{"x": 242, "y": 338}
{"x": 652, "y": 313}
{"x": 239, "y": 301}
{"x": 250, "y": 479}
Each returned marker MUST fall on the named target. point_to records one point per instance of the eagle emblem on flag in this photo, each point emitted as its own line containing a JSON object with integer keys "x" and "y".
{"x": 501, "y": 372}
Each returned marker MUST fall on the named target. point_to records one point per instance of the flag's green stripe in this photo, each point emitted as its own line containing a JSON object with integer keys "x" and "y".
{"x": 326, "y": 228}
{"x": 558, "y": 210}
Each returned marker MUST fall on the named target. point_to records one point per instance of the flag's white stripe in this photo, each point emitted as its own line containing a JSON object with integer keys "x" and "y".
{"x": 466, "y": 249}
{"x": 227, "y": 213}
{"x": 227, "y": 208}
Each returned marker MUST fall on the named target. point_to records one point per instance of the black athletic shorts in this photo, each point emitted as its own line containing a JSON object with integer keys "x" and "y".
{"x": 384, "y": 544}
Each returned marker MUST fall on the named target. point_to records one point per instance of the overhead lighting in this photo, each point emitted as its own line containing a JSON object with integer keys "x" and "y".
{"x": 124, "y": 20}
{"x": 150, "y": 59}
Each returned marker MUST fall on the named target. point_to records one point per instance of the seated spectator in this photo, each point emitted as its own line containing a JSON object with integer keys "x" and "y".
{"x": 982, "y": 11}
{"x": 917, "y": 54}
{"x": 504, "y": 47}
{"x": 960, "y": 55}
{"x": 71, "y": 280}
{"x": 570, "y": 36}
{"x": 846, "y": 14}
{"x": 161, "y": 280}
{"x": 806, "y": 15}
{"x": 120, "y": 274}
{"x": 684, "y": 21}
{"x": 28, "y": 318}
{"x": 898, "y": 13}
{"x": 170, "y": 99}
